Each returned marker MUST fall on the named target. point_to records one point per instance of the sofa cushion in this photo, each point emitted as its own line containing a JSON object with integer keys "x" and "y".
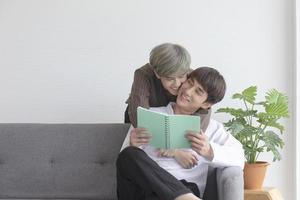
{"x": 59, "y": 160}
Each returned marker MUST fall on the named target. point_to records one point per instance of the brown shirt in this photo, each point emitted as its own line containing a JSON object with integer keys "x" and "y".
{"x": 148, "y": 91}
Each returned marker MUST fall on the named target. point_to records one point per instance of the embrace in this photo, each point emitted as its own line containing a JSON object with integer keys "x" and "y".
{"x": 168, "y": 85}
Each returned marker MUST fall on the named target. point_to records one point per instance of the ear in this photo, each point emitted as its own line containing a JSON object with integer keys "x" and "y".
{"x": 206, "y": 105}
{"x": 157, "y": 76}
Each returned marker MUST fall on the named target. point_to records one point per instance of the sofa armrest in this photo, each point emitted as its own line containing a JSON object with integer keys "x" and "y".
{"x": 230, "y": 183}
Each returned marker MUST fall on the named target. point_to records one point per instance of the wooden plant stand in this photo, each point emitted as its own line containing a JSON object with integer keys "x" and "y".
{"x": 268, "y": 193}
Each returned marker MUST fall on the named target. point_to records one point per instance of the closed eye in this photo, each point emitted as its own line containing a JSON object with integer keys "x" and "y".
{"x": 199, "y": 91}
{"x": 190, "y": 82}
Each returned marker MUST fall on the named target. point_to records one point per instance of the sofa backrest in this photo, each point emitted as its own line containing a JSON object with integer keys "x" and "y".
{"x": 59, "y": 160}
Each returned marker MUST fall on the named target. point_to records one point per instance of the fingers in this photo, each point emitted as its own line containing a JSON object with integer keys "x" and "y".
{"x": 199, "y": 148}
{"x": 204, "y": 150}
{"x": 186, "y": 159}
{"x": 200, "y": 144}
{"x": 166, "y": 153}
{"x": 190, "y": 163}
{"x": 140, "y": 132}
{"x": 196, "y": 138}
{"x": 139, "y": 136}
{"x": 143, "y": 135}
{"x": 194, "y": 159}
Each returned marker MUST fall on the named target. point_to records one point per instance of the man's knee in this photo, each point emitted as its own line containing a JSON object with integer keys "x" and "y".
{"x": 230, "y": 183}
{"x": 128, "y": 155}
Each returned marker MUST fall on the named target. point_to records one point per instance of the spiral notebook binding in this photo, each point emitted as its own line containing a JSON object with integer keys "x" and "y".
{"x": 167, "y": 132}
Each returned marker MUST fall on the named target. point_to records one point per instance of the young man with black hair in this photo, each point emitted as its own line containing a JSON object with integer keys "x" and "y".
{"x": 144, "y": 172}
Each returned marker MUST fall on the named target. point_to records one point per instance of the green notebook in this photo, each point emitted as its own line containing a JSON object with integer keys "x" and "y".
{"x": 168, "y": 131}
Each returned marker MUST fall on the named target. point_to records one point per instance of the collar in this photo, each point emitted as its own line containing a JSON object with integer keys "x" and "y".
{"x": 169, "y": 108}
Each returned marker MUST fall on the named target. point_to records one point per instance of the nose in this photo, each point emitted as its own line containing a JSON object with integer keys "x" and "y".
{"x": 188, "y": 91}
{"x": 177, "y": 82}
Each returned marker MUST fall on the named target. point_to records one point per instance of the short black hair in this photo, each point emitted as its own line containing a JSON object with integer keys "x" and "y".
{"x": 211, "y": 81}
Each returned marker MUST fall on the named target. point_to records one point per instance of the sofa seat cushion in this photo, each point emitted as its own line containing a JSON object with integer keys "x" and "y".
{"x": 59, "y": 161}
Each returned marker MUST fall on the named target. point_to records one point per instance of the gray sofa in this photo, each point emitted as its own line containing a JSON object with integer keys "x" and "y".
{"x": 73, "y": 161}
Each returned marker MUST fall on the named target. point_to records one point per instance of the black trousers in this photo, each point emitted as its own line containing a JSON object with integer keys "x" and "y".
{"x": 126, "y": 116}
{"x": 141, "y": 178}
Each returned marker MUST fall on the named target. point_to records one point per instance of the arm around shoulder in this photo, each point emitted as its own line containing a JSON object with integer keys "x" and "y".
{"x": 139, "y": 96}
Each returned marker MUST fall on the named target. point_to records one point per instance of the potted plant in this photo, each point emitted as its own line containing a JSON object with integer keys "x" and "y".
{"x": 257, "y": 130}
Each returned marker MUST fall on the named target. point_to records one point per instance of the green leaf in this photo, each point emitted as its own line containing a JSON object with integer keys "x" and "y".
{"x": 248, "y": 131}
{"x": 277, "y": 155}
{"x": 274, "y": 96}
{"x": 276, "y": 103}
{"x": 237, "y": 96}
{"x": 277, "y": 109}
{"x": 238, "y": 113}
{"x": 272, "y": 139}
{"x": 277, "y": 125}
{"x": 272, "y": 143}
{"x": 261, "y": 103}
{"x": 266, "y": 118}
{"x": 257, "y": 137}
{"x": 236, "y": 127}
{"x": 249, "y": 94}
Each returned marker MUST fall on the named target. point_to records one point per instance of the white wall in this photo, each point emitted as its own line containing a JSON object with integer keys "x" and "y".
{"x": 73, "y": 61}
{"x": 297, "y": 98}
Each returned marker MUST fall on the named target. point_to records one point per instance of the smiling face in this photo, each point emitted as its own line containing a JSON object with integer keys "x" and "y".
{"x": 191, "y": 97}
{"x": 172, "y": 83}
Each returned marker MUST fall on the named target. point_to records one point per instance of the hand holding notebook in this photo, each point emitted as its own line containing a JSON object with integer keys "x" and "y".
{"x": 139, "y": 136}
{"x": 168, "y": 131}
{"x": 200, "y": 144}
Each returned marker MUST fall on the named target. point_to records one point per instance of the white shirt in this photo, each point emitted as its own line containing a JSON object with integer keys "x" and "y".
{"x": 227, "y": 152}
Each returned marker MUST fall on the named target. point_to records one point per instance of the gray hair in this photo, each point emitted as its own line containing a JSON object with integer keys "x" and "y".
{"x": 170, "y": 59}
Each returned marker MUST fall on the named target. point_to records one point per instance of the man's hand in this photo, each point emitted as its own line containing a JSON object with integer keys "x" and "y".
{"x": 200, "y": 144}
{"x": 186, "y": 159}
{"x": 139, "y": 136}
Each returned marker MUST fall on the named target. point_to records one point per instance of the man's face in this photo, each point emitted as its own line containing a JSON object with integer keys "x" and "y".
{"x": 192, "y": 96}
{"x": 173, "y": 83}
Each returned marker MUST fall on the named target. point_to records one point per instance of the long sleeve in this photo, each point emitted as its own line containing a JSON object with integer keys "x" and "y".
{"x": 139, "y": 95}
{"x": 204, "y": 118}
{"x": 126, "y": 142}
{"x": 228, "y": 151}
